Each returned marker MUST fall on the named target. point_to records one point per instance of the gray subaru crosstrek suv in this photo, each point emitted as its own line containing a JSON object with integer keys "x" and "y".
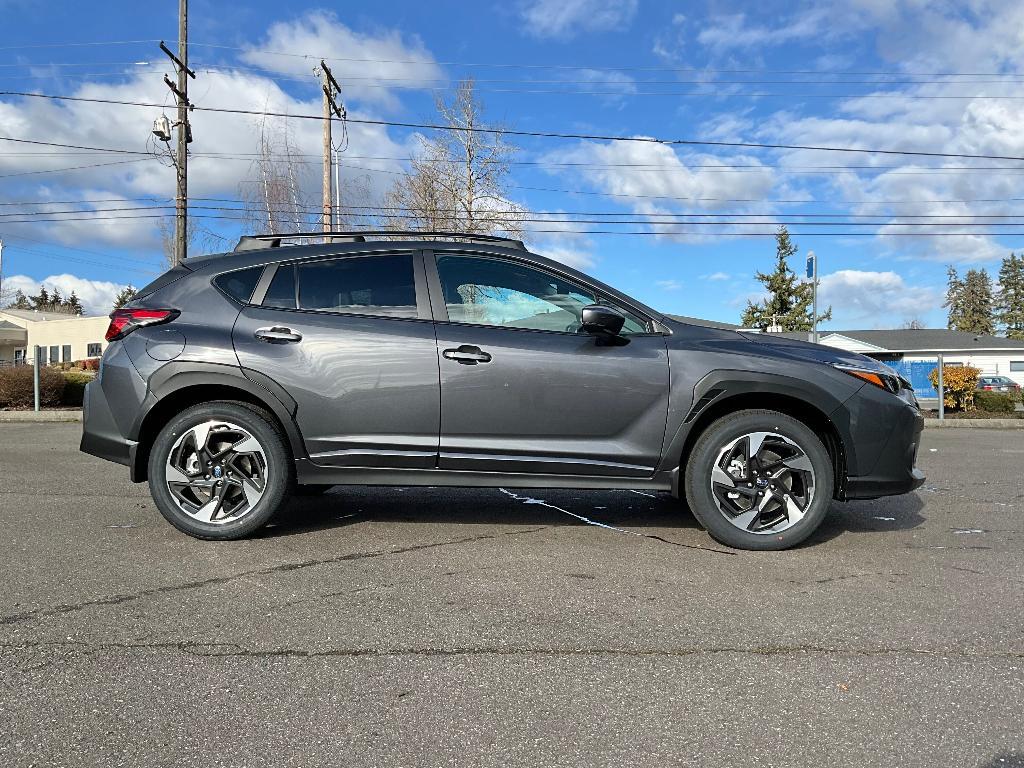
{"x": 238, "y": 379}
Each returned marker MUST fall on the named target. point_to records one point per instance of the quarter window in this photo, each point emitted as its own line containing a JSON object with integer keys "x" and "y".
{"x": 239, "y": 285}
{"x": 365, "y": 285}
{"x": 493, "y": 292}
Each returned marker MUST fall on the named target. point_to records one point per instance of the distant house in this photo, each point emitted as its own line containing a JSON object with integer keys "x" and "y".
{"x": 994, "y": 355}
{"x": 63, "y": 338}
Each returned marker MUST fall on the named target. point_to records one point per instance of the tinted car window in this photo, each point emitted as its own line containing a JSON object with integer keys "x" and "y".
{"x": 494, "y": 292}
{"x": 281, "y": 292}
{"x": 367, "y": 285}
{"x": 239, "y": 285}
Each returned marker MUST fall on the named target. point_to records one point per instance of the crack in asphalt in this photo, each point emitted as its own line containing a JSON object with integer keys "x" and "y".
{"x": 60, "y": 610}
{"x": 234, "y": 650}
{"x": 588, "y": 521}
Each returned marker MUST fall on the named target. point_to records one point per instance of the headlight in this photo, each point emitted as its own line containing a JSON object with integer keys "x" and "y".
{"x": 887, "y": 381}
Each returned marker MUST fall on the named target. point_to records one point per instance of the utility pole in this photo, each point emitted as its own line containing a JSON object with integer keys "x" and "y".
{"x": 180, "y": 91}
{"x": 330, "y": 89}
{"x": 1, "y": 270}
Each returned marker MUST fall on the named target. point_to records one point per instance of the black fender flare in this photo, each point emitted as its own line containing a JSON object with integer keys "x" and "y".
{"x": 177, "y": 376}
{"x": 719, "y": 386}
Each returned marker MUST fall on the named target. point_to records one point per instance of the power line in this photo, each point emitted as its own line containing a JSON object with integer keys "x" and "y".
{"x": 533, "y": 134}
{"x": 75, "y": 168}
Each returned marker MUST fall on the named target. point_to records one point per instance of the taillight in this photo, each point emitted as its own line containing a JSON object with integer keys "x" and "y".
{"x": 124, "y": 321}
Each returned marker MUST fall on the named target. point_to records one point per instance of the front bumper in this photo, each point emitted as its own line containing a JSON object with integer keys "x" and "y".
{"x": 894, "y": 469}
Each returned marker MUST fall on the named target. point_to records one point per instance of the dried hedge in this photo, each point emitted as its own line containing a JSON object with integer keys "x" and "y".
{"x": 17, "y": 390}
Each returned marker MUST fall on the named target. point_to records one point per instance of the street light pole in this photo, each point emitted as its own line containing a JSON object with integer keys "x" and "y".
{"x": 812, "y": 272}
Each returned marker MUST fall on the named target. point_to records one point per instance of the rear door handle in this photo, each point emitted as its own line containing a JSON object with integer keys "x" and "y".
{"x": 277, "y": 334}
{"x": 467, "y": 354}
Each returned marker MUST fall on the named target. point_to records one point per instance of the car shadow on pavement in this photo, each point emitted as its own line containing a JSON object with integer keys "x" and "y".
{"x": 347, "y": 505}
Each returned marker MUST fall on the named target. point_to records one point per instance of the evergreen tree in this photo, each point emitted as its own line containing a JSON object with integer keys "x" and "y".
{"x": 1010, "y": 301}
{"x": 977, "y": 303}
{"x": 41, "y": 300}
{"x": 954, "y": 299}
{"x": 790, "y": 301}
{"x": 73, "y": 304}
{"x": 125, "y": 295}
{"x": 56, "y": 300}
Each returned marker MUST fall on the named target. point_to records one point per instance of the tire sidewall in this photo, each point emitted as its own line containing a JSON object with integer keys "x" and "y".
{"x": 279, "y": 470}
{"x": 705, "y": 452}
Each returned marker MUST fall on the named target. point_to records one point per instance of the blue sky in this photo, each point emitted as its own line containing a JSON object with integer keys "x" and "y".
{"x": 864, "y": 73}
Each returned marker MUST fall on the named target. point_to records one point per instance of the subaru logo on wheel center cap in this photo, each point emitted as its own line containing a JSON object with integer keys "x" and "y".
{"x": 761, "y": 482}
{"x": 217, "y": 471}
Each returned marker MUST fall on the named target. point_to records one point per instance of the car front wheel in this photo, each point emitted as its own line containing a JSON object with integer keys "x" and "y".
{"x": 759, "y": 479}
{"x": 220, "y": 470}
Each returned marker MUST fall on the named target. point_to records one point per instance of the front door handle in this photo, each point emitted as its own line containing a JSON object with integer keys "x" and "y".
{"x": 467, "y": 354}
{"x": 277, "y": 334}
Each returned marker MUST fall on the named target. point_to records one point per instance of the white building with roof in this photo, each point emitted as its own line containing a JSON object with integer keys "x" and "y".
{"x": 63, "y": 337}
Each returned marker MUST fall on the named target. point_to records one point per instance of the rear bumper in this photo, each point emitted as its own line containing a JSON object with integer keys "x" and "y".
{"x": 100, "y": 433}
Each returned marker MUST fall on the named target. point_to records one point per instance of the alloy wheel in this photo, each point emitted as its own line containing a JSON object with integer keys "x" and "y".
{"x": 762, "y": 482}
{"x": 216, "y": 472}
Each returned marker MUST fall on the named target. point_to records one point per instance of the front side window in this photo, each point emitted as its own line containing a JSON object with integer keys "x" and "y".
{"x": 366, "y": 285}
{"x": 486, "y": 291}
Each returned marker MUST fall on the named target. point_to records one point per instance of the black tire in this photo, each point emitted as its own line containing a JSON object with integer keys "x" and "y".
{"x": 713, "y": 441}
{"x": 278, "y": 477}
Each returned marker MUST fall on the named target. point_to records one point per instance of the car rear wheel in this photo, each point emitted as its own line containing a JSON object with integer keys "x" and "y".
{"x": 759, "y": 479}
{"x": 220, "y": 470}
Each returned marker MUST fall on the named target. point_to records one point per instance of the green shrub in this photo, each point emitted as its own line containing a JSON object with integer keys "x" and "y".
{"x": 994, "y": 402}
{"x": 74, "y": 386}
{"x": 17, "y": 389}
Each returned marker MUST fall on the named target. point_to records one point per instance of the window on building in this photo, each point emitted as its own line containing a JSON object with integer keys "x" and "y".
{"x": 1016, "y": 366}
{"x": 94, "y": 350}
{"x": 365, "y": 285}
{"x": 54, "y": 354}
{"x": 65, "y": 353}
{"x": 19, "y": 356}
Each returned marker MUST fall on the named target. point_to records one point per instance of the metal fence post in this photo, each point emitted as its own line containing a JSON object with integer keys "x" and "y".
{"x": 942, "y": 393}
{"x": 35, "y": 376}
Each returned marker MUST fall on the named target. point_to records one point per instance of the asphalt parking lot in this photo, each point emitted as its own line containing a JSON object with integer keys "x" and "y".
{"x": 428, "y": 627}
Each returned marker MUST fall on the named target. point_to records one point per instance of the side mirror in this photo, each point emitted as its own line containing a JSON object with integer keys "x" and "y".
{"x": 601, "y": 320}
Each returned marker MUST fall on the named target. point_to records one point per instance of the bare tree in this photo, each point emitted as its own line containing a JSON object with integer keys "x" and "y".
{"x": 457, "y": 182}
{"x": 913, "y": 324}
{"x": 273, "y": 195}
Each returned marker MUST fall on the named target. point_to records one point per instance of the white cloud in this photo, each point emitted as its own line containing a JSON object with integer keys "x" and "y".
{"x": 97, "y": 296}
{"x": 568, "y": 18}
{"x": 662, "y": 181}
{"x": 733, "y": 31}
{"x": 365, "y": 62}
{"x": 577, "y": 258}
{"x": 669, "y": 285}
{"x": 875, "y": 298}
{"x": 716, "y": 276}
{"x": 211, "y": 174}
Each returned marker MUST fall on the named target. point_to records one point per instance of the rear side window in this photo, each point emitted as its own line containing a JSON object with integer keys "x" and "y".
{"x": 281, "y": 293}
{"x": 366, "y": 285}
{"x": 239, "y": 285}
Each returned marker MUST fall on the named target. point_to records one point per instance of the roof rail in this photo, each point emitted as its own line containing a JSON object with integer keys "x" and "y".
{"x": 255, "y": 242}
